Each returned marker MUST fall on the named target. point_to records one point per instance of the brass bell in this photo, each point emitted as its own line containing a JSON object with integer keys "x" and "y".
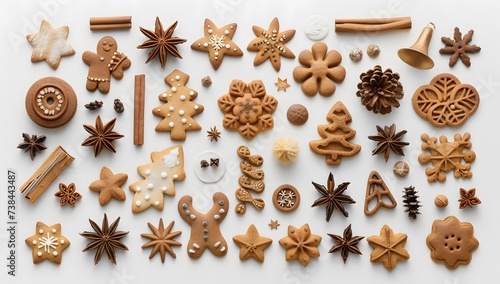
{"x": 417, "y": 55}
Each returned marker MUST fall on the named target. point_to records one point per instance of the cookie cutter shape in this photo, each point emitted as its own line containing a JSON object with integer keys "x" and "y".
{"x": 247, "y": 108}
{"x": 452, "y": 242}
{"x": 47, "y": 243}
{"x": 377, "y": 189}
{"x": 51, "y": 102}
{"x": 217, "y": 42}
{"x": 210, "y": 174}
{"x": 320, "y": 71}
{"x": 286, "y": 198}
{"x": 445, "y": 101}
{"x": 446, "y": 156}
{"x": 178, "y": 109}
{"x": 301, "y": 244}
{"x": 205, "y": 231}
{"x": 252, "y": 245}
{"x": 388, "y": 247}
{"x": 336, "y": 135}
{"x": 167, "y": 166}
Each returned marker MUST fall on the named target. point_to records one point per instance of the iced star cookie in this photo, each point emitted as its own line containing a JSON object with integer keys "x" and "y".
{"x": 167, "y": 166}
{"x": 50, "y": 44}
{"x": 47, "y": 243}
{"x": 217, "y": 42}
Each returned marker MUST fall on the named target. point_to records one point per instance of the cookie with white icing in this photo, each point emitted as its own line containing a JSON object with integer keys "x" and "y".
{"x": 205, "y": 231}
{"x": 47, "y": 243}
{"x": 167, "y": 166}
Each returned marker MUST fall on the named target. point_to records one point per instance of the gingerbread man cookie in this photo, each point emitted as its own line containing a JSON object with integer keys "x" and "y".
{"x": 205, "y": 231}
{"x": 105, "y": 63}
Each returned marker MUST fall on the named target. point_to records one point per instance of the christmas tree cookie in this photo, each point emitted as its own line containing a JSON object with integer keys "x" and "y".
{"x": 336, "y": 135}
{"x": 159, "y": 177}
{"x": 178, "y": 110}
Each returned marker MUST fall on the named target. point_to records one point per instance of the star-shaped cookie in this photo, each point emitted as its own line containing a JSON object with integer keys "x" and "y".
{"x": 252, "y": 244}
{"x": 47, "y": 243}
{"x": 109, "y": 186}
{"x": 388, "y": 247}
{"x": 217, "y": 42}
{"x": 50, "y": 44}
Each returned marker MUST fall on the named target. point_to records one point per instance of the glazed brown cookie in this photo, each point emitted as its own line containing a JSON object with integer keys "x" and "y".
{"x": 300, "y": 244}
{"x": 252, "y": 245}
{"x": 47, "y": 243}
{"x": 452, "y": 242}
{"x": 297, "y": 114}
{"x": 51, "y": 102}
{"x": 205, "y": 231}
{"x": 105, "y": 63}
{"x": 388, "y": 247}
{"x": 320, "y": 71}
{"x": 286, "y": 198}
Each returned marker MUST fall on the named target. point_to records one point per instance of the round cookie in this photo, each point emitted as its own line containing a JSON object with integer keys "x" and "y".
{"x": 316, "y": 27}
{"x": 211, "y": 173}
{"x": 51, "y": 102}
{"x": 297, "y": 114}
{"x": 286, "y": 198}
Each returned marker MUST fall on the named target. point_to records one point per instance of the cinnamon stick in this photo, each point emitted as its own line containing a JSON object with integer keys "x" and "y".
{"x": 372, "y": 24}
{"x": 110, "y": 23}
{"x": 54, "y": 165}
{"x": 139, "y": 96}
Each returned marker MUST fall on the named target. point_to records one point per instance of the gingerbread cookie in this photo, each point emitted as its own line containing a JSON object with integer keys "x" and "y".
{"x": 51, "y": 102}
{"x": 105, "y": 63}
{"x": 445, "y": 101}
{"x": 320, "y": 71}
{"x": 167, "y": 166}
{"x": 47, "y": 243}
{"x": 250, "y": 180}
{"x": 217, "y": 42}
{"x": 109, "y": 186}
{"x": 247, "y": 108}
{"x": 452, "y": 242}
{"x": 334, "y": 144}
{"x": 286, "y": 198}
{"x": 50, "y": 44}
{"x": 459, "y": 47}
{"x": 377, "y": 190}
{"x": 205, "y": 231}
{"x": 297, "y": 114}
{"x": 270, "y": 44}
{"x": 388, "y": 247}
{"x": 446, "y": 156}
{"x": 301, "y": 244}
{"x": 178, "y": 110}
{"x": 252, "y": 244}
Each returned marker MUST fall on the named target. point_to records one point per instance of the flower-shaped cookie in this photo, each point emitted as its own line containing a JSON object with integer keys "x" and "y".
{"x": 247, "y": 108}
{"x": 321, "y": 69}
{"x": 445, "y": 101}
{"x": 452, "y": 242}
{"x": 300, "y": 244}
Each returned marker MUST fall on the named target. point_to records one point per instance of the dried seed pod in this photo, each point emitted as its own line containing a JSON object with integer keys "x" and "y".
{"x": 94, "y": 105}
{"x": 118, "y": 105}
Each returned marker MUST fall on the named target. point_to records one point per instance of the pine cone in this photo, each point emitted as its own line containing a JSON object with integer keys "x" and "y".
{"x": 118, "y": 106}
{"x": 411, "y": 202}
{"x": 379, "y": 91}
{"x": 94, "y": 105}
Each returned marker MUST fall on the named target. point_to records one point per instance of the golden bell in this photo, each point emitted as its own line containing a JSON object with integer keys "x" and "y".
{"x": 417, "y": 55}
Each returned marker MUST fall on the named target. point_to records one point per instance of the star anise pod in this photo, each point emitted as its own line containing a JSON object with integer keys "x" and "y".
{"x": 213, "y": 134}
{"x": 346, "y": 244}
{"x": 33, "y": 144}
{"x": 387, "y": 140}
{"x": 105, "y": 239}
{"x": 101, "y": 136}
{"x": 458, "y": 47}
{"x": 333, "y": 199}
{"x": 161, "y": 240}
{"x": 468, "y": 198}
{"x": 161, "y": 42}
{"x": 68, "y": 194}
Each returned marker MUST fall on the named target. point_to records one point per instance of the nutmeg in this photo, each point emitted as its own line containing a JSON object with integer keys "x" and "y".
{"x": 373, "y": 50}
{"x": 401, "y": 169}
{"x": 356, "y": 54}
{"x": 441, "y": 201}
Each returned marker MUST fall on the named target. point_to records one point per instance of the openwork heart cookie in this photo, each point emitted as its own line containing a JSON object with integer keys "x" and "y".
{"x": 445, "y": 101}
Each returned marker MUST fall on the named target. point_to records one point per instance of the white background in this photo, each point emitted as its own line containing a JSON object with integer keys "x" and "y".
{"x": 20, "y": 18}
